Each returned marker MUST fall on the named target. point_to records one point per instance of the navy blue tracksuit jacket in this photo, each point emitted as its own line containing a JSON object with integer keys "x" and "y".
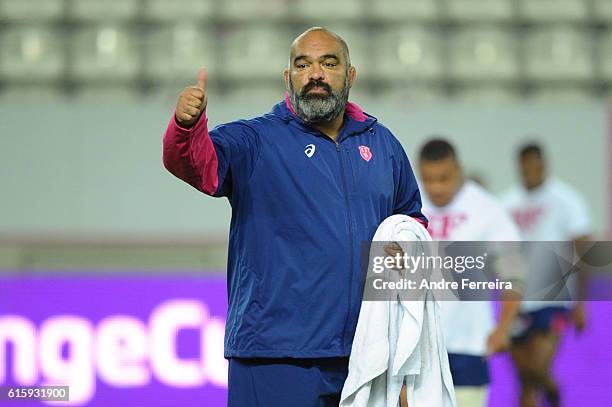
{"x": 302, "y": 205}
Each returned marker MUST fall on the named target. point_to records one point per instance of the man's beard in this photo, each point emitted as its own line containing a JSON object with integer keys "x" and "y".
{"x": 316, "y": 107}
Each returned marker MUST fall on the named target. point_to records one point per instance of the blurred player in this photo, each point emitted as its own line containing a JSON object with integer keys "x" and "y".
{"x": 545, "y": 209}
{"x": 461, "y": 210}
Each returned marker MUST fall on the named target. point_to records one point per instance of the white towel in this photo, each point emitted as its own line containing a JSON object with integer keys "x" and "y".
{"x": 399, "y": 341}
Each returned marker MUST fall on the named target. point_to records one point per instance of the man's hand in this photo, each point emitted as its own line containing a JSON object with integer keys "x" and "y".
{"x": 192, "y": 101}
{"x": 393, "y": 250}
{"x": 498, "y": 341}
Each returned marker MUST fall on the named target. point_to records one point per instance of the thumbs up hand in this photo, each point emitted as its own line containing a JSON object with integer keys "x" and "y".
{"x": 192, "y": 101}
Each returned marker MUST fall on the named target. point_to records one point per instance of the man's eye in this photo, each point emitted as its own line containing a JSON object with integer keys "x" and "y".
{"x": 330, "y": 64}
{"x": 300, "y": 66}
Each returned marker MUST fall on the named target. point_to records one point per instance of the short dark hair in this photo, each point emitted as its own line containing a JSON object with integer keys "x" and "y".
{"x": 530, "y": 149}
{"x": 437, "y": 149}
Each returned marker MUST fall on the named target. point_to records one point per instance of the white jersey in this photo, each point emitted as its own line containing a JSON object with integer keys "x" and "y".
{"x": 472, "y": 215}
{"x": 552, "y": 212}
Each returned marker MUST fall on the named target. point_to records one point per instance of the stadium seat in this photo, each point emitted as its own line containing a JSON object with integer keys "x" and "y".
{"x": 31, "y": 92}
{"x": 263, "y": 95}
{"x": 255, "y": 51}
{"x": 561, "y": 94}
{"x": 483, "y": 54}
{"x": 602, "y": 10}
{"x": 175, "y": 52}
{"x": 164, "y": 10}
{"x": 402, "y": 10}
{"x": 409, "y": 53}
{"x": 479, "y": 10}
{"x": 89, "y": 10}
{"x": 604, "y": 48}
{"x": 31, "y": 10}
{"x": 169, "y": 91}
{"x": 553, "y": 10}
{"x": 32, "y": 53}
{"x": 403, "y": 94}
{"x": 326, "y": 9}
{"x": 558, "y": 54}
{"x": 487, "y": 94}
{"x": 104, "y": 53}
{"x": 250, "y": 9}
{"x": 107, "y": 94}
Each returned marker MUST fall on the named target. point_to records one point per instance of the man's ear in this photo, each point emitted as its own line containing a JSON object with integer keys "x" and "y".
{"x": 352, "y": 75}
{"x": 286, "y": 78}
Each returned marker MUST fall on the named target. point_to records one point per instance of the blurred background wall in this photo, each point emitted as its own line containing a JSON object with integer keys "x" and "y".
{"x": 87, "y": 88}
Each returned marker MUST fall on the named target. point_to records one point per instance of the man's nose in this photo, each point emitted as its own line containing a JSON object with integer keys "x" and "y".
{"x": 316, "y": 73}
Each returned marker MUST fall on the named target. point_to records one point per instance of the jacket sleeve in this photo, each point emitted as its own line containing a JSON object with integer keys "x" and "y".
{"x": 210, "y": 161}
{"x": 407, "y": 194}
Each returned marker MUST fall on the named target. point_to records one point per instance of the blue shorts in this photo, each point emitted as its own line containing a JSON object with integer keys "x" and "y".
{"x": 272, "y": 382}
{"x": 469, "y": 370}
{"x": 545, "y": 320}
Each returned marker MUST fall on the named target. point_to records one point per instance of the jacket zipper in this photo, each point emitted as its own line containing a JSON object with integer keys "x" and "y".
{"x": 350, "y": 230}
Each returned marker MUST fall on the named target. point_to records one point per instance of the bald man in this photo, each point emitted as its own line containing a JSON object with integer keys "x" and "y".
{"x": 308, "y": 183}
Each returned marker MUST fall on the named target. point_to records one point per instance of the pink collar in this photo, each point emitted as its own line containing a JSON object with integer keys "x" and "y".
{"x": 352, "y": 109}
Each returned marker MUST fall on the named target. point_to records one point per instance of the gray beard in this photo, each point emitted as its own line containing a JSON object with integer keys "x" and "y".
{"x": 319, "y": 108}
